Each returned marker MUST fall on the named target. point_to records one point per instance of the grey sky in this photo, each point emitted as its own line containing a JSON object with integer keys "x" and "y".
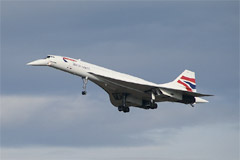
{"x": 42, "y": 111}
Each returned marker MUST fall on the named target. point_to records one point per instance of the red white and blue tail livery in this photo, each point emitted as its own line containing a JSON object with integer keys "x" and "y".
{"x": 127, "y": 91}
{"x": 187, "y": 80}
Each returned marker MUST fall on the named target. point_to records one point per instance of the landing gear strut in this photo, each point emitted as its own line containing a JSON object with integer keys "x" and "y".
{"x": 124, "y": 108}
{"x": 153, "y": 105}
{"x": 85, "y": 81}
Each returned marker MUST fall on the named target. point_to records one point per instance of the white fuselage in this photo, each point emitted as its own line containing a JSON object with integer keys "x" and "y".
{"x": 82, "y": 69}
{"x": 125, "y": 90}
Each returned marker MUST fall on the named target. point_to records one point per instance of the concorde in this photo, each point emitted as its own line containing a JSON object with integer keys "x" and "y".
{"x": 125, "y": 90}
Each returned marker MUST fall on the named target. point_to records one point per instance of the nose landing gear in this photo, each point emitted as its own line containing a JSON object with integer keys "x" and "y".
{"x": 85, "y": 81}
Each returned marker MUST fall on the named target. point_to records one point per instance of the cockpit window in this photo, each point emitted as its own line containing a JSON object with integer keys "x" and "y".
{"x": 50, "y": 57}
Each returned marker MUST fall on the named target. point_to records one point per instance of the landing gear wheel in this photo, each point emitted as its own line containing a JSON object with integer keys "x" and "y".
{"x": 120, "y": 108}
{"x": 84, "y": 92}
{"x": 153, "y": 106}
{"x": 126, "y": 109}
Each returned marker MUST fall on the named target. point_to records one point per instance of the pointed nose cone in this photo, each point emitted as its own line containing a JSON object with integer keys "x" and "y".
{"x": 39, "y": 62}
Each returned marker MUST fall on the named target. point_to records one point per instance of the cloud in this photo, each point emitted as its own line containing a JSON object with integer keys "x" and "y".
{"x": 86, "y": 121}
{"x": 200, "y": 142}
{"x": 63, "y": 120}
{"x": 19, "y": 110}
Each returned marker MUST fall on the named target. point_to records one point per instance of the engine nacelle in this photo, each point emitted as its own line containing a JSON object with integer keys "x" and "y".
{"x": 134, "y": 100}
{"x": 149, "y": 105}
{"x": 188, "y": 99}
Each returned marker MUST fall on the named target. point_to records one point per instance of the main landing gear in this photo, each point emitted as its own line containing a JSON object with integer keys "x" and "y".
{"x": 85, "y": 81}
{"x": 123, "y": 107}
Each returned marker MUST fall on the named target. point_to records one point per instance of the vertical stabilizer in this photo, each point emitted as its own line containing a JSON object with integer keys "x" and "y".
{"x": 186, "y": 81}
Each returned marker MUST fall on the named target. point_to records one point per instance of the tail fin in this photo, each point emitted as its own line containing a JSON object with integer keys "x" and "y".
{"x": 186, "y": 81}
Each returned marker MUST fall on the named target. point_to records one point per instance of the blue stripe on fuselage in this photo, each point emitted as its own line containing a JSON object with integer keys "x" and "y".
{"x": 65, "y": 60}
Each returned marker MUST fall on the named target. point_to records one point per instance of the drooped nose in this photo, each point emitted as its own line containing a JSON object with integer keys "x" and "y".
{"x": 39, "y": 62}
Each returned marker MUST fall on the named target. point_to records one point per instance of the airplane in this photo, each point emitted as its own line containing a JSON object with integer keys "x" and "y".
{"x": 125, "y": 90}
